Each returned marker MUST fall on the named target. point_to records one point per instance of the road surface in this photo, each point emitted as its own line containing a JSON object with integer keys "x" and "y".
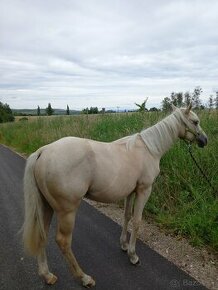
{"x": 95, "y": 243}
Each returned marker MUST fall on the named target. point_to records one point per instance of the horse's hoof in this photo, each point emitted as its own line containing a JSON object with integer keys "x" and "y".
{"x": 138, "y": 263}
{"x": 51, "y": 279}
{"x": 135, "y": 260}
{"x": 88, "y": 282}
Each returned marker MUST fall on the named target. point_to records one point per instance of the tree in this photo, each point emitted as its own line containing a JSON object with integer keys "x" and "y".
{"x": 49, "y": 110}
{"x": 38, "y": 111}
{"x": 187, "y": 99}
{"x": 6, "y": 114}
{"x": 68, "y": 110}
{"x": 85, "y": 111}
{"x": 196, "y": 102}
{"x": 173, "y": 99}
{"x": 210, "y": 102}
{"x": 177, "y": 99}
{"x": 142, "y": 107}
{"x": 166, "y": 104}
{"x": 216, "y": 101}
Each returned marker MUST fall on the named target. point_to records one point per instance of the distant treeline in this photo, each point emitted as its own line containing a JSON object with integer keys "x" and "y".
{"x": 31, "y": 112}
{"x": 179, "y": 99}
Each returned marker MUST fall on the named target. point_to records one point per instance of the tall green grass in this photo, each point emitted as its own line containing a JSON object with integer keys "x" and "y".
{"x": 181, "y": 200}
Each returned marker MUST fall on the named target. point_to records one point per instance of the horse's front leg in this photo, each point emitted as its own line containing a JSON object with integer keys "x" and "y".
{"x": 142, "y": 195}
{"x": 127, "y": 217}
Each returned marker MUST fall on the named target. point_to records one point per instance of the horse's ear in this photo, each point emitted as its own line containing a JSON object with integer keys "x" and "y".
{"x": 188, "y": 109}
{"x": 173, "y": 107}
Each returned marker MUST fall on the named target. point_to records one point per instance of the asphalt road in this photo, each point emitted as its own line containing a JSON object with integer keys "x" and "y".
{"x": 95, "y": 243}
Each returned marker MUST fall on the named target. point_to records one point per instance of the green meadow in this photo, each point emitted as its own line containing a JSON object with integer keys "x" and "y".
{"x": 182, "y": 202}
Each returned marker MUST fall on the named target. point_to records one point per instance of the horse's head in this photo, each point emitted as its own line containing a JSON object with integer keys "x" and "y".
{"x": 190, "y": 126}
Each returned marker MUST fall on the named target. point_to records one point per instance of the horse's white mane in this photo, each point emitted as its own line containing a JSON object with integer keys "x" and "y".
{"x": 159, "y": 137}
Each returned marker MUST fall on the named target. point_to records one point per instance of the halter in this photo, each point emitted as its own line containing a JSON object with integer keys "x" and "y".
{"x": 188, "y": 130}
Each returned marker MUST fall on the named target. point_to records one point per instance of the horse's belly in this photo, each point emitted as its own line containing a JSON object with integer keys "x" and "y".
{"x": 101, "y": 197}
{"x": 112, "y": 193}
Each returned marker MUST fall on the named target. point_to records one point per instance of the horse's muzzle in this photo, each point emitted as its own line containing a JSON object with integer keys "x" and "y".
{"x": 201, "y": 140}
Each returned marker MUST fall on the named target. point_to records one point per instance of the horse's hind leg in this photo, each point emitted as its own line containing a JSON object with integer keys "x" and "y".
{"x": 66, "y": 223}
{"x": 49, "y": 277}
{"x": 42, "y": 258}
{"x": 127, "y": 217}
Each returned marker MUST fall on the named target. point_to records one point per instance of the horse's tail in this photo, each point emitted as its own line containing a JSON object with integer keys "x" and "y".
{"x": 34, "y": 235}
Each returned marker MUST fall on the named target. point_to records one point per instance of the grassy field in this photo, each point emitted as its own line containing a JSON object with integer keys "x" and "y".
{"x": 181, "y": 200}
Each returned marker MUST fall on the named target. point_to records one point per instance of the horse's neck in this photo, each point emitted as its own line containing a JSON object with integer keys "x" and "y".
{"x": 160, "y": 137}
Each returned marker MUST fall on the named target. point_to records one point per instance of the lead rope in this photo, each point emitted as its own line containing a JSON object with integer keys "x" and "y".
{"x": 200, "y": 169}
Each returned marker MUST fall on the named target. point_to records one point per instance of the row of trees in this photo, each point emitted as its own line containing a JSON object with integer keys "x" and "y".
{"x": 91, "y": 110}
{"x": 50, "y": 111}
{"x": 183, "y": 99}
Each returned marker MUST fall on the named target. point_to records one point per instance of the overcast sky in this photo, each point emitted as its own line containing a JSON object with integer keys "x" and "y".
{"x": 105, "y": 53}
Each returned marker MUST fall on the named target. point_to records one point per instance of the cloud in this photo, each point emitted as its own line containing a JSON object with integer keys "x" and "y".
{"x": 105, "y": 53}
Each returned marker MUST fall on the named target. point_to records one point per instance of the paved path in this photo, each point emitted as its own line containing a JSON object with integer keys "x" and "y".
{"x": 96, "y": 245}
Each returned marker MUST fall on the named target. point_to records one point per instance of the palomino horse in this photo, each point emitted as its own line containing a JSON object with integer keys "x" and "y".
{"x": 59, "y": 175}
